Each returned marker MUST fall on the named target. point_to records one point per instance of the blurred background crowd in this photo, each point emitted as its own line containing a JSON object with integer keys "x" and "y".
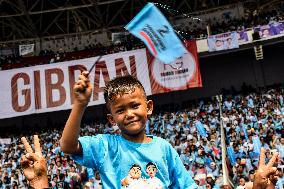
{"x": 245, "y": 115}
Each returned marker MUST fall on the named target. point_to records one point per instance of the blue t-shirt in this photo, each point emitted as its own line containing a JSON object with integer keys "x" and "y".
{"x": 280, "y": 183}
{"x": 114, "y": 157}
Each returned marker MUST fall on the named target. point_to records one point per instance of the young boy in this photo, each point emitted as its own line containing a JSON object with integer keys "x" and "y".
{"x": 114, "y": 155}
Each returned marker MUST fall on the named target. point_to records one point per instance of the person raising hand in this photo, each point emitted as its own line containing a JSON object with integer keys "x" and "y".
{"x": 266, "y": 175}
{"x": 34, "y": 165}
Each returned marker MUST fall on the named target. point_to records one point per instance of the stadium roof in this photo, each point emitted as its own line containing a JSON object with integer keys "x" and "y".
{"x": 30, "y": 19}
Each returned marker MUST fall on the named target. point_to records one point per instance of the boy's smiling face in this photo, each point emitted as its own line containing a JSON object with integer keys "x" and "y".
{"x": 129, "y": 111}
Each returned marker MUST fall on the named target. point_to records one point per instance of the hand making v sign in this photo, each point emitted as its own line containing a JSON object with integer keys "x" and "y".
{"x": 34, "y": 165}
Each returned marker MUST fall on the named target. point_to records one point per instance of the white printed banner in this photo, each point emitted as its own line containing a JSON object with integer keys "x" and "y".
{"x": 26, "y": 50}
{"x": 46, "y": 88}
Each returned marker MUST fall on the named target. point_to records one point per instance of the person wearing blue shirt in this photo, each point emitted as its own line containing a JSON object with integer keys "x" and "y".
{"x": 238, "y": 154}
{"x": 264, "y": 144}
{"x": 228, "y": 104}
{"x": 132, "y": 159}
{"x": 250, "y": 102}
{"x": 213, "y": 169}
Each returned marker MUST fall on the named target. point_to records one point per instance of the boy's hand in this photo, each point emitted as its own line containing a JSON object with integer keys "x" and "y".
{"x": 265, "y": 176}
{"x": 82, "y": 89}
{"x": 34, "y": 165}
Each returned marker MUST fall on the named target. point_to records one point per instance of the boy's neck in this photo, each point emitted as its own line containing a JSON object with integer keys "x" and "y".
{"x": 140, "y": 138}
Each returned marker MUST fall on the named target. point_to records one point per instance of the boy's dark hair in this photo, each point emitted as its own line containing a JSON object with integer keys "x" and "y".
{"x": 120, "y": 86}
{"x": 151, "y": 163}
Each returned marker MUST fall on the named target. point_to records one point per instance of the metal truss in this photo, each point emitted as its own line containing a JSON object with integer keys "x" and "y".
{"x": 36, "y": 19}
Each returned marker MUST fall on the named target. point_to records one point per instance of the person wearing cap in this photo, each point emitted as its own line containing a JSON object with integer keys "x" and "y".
{"x": 197, "y": 182}
{"x": 210, "y": 179}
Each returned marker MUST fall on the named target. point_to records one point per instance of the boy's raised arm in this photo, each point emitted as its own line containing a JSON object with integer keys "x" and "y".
{"x": 82, "y": 91}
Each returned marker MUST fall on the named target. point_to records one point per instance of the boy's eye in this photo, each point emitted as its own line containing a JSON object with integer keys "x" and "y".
{"x": 119, "y": 111}
{"x": 135, "y": 106}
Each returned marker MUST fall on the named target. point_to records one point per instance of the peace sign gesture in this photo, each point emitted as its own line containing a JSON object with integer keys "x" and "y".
{"x": 265, "y": 176}
{"x": 34, "y": 165}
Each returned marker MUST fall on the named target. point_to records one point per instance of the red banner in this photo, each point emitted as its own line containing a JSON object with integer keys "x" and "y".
{"x": 182, "y": 74}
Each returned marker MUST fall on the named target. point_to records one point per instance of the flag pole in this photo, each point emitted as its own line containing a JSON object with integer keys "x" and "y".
{"x": 226, "y": 180}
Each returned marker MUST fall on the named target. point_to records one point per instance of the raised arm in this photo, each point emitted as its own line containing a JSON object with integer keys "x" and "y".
{"x": 274, "y": 141}
{"x": 265, "y": 176}
{"x": 82, "y": 92}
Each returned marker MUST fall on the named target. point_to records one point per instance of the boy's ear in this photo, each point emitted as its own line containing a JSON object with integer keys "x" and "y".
{"x": 110, "y": 119}
{"x": 150, "y": 106}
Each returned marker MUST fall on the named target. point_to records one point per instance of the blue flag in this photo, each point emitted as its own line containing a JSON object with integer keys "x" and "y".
{"x": 199, "y": 126}
{"x": 244, "y": 127}
{"x": 91, "y": 173}
{"x": 256, "y": 145}
{"x": 155, "y": 31}
{"x": 231, "y": 155}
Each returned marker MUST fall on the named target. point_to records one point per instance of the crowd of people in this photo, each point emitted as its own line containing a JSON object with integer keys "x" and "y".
{"x": 228, "y": 23}
{"x": 253, "y": 19}
{"x": 244, "y": 117}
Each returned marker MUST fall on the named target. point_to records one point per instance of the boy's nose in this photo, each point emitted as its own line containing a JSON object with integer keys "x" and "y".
{"x": 129, "y": 114}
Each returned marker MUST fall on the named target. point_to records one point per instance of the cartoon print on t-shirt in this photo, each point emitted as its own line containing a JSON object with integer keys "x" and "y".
{"x": 153, "y": 181}
{"x": 133, "y": 179}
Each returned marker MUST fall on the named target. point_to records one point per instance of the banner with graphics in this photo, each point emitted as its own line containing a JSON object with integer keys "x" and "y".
{"x": 270, "y": 30}
{"x": 26, "y": 50}
{"x": 243, "y": 36}
{"x": 182, "y": 74}
{"x": 47, "y": 88}
{"x": 223, "y": 41}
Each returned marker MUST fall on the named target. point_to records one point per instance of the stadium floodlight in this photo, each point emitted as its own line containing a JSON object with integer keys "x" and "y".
{"x": 258, "y": 51}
